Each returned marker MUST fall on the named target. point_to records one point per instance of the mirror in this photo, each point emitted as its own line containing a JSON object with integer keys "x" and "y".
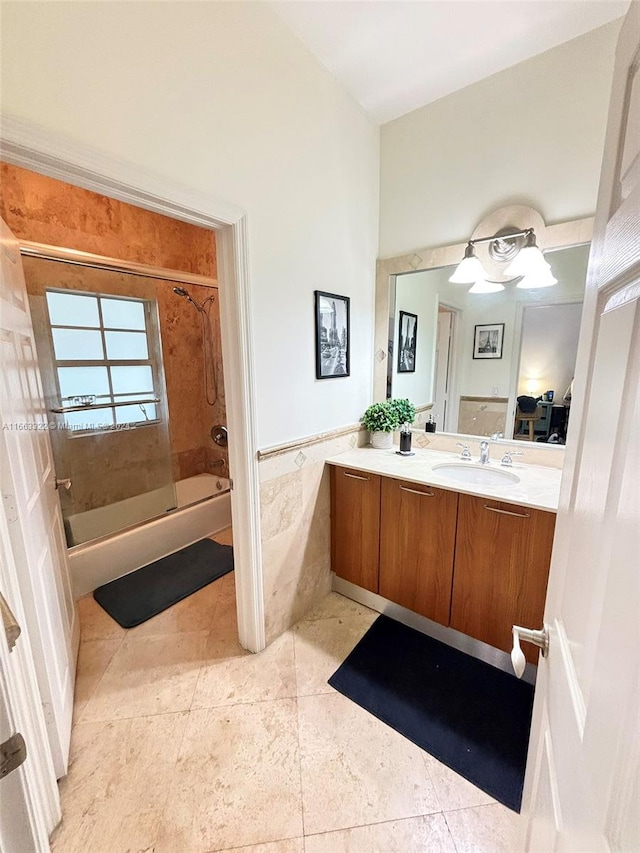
{"x": 465, "y": 358}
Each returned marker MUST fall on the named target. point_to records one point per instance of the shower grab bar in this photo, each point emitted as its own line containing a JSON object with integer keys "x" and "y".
{"x": 62, "y": 411}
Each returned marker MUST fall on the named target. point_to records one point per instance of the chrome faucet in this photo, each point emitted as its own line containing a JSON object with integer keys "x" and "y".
{"x": 507, "y": 461}
{"x": 484, "y": 452}
{"x": 466, "y": 453}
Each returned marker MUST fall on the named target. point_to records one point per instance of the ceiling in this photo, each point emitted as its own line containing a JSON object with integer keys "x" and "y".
{"x": 395, "y": 56}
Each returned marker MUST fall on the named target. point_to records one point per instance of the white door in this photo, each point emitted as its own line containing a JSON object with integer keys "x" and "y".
{"x": 583, "y": 776}
{"x": 29, "y": 801}
{"x": 36, "y": 537}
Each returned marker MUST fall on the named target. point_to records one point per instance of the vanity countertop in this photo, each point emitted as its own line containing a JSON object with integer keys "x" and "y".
{"x": 539, "y": 487}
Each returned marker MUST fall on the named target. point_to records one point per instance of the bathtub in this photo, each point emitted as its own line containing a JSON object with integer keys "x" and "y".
{"x": 203, "y": 508}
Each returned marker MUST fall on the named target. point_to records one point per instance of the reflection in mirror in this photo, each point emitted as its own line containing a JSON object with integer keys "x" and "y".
{"x": 478, "y": 396}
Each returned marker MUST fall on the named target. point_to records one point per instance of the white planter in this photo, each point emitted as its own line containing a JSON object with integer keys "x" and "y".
{"x": 382, "y": 440}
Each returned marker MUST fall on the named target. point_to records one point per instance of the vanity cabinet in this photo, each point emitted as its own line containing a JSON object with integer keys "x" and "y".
{"x": 474, "y": 564}
{"x": 503, "y": 552}
{"x": 355, "y": 526}
{"x": 417, "y": 542}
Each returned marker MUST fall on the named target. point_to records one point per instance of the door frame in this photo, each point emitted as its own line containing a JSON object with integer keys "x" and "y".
{"x": 451, "y": 415}
{"x": 29, "y": 146}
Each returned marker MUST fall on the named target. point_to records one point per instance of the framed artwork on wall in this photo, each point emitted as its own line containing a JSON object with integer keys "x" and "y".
{"x": 332, "y": 335}
{"x": 487, "y": 341}
{"x": 407, "y": 336}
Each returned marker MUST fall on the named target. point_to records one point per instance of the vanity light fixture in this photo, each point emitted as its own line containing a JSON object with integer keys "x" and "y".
{"x": 470, "y": 268}
{"x": 529, "y": 259}
{"x": 519, "y": 249}
{"x": 483, "y": 285}
{"x": 534, "y": 280}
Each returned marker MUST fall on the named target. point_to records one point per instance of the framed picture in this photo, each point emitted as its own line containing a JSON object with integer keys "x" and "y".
{"x": 407, "y": 335}
{"x": 487, "y": 341}
{"x": 332, "y": 335}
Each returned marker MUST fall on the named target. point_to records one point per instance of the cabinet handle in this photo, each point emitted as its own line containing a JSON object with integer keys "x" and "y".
{"x": 355, "y": 476}
{"x": 416, "y": 492}
{"x": 506, "y": 512}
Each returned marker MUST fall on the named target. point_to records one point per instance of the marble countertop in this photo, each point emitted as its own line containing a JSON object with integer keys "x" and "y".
{"x": 539, "y": 487}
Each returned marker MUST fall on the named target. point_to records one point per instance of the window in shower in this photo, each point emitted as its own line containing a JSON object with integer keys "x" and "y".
{"x": 103, "y": 358}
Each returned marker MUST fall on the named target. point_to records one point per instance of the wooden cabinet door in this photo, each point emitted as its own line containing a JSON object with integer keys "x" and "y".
{"x": 355, "y": 526}
{"x": 418, "y": 529}
{"x": 501, "y": 568}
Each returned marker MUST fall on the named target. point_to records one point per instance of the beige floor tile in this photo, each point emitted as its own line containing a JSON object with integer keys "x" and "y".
{"x": 355, "y": 769}
{"x": 485, "y": 829}
{"x": 237, "y": 781}
{"x": 149, "y": 675}
{"x": 225, "y": 620}
{"x": 105, "y": 830}
{"x": 224, "y": 537}
{"x": 94, "y": 657}
{"x": 428, "y": 834}
{"x": 230, "y": 674}
{"x": 453, "y": 790}
{"x": 322, "y": 645}
{"x": 95, "y": 623}
{"x": 118, "y": 783}
{"x": 194, "y": 613}
{"x": 291, "y": 845}
{"x": 336, "y": 605}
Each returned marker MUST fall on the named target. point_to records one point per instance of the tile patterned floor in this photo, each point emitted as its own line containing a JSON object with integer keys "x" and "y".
{"x": 185, "y": 743}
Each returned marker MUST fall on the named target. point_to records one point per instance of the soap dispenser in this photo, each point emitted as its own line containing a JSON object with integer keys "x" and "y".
{"x": 430, "y": 425}
{"x": 405, "y": 441}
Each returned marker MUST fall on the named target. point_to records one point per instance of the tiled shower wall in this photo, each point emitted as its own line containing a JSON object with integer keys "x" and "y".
{"x": 44, "y": 210}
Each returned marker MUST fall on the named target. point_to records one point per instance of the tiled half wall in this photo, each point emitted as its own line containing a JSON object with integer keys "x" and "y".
{"x": 295, "y": 512}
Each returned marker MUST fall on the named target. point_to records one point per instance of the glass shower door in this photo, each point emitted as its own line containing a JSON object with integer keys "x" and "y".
{"x": 101, "y": 361}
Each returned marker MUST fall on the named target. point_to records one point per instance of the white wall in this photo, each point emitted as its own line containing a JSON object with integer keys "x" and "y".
{"x": 418, "y": 295}
{"x": 421, "y": 293}
{"x": 223, "y": 97}
{"x": 532, "y": 134}
{"x": 549, "y": 347}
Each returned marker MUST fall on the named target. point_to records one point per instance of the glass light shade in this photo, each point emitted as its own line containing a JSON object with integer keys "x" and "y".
{"x": 484, "y": 286}
{"x": 468, "y": 271}
{"x": 537, "y": 279}
{"x": 528, "y": 260}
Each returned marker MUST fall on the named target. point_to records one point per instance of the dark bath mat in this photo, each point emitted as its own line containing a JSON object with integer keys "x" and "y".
{"x": 467, "y": 714}
{"x": 138, "y": 596}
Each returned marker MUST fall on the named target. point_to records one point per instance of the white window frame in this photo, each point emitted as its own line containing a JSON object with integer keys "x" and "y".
{"x": 107, "y": 402}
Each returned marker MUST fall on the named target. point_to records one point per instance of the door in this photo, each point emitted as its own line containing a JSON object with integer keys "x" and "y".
{"x": 29, "y": 801}
{"x": 355, "y": 526}
{"x": 501, "y": 569}
{"x": 417, "y": 540}
{"x": 583, "y": 773}
{"x": 36, "y": 539}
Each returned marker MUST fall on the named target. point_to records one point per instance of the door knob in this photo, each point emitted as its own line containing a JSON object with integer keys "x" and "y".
{"x": 538, "y": 638}
{"x": 65, "y": 482}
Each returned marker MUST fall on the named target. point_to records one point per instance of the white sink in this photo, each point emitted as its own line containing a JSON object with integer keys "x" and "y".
{"x": 466, "y": 472}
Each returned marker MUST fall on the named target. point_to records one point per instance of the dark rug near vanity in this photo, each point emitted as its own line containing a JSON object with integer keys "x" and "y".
{"x": 469, "y": 715}
{"x": 138, "y": 596}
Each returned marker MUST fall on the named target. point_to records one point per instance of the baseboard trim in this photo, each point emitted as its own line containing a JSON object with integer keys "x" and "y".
{"x": 475, "y": 648}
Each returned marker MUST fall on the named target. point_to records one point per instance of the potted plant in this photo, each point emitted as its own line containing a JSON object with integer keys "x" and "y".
{"x": 406, "y": 411}
{"x": 381, "y": 419}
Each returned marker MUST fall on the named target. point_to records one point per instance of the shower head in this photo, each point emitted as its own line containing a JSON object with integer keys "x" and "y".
{"x": 180, "y": 291}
